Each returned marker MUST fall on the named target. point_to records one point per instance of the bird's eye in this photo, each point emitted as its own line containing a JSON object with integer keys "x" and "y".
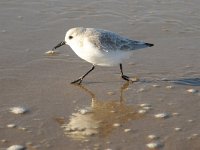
{"x": 70, "y": 37}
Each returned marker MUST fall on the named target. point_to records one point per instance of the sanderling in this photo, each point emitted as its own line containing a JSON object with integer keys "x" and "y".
{"x": 100, "y": 47}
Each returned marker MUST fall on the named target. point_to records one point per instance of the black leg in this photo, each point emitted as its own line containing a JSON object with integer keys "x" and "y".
{"x": 79, "y": 80}
{"x": 122, "y": 74}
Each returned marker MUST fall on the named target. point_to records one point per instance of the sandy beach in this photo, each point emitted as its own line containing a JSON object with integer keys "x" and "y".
{"x": 104, "y": 113}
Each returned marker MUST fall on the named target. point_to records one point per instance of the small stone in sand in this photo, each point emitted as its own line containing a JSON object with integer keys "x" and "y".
{"x": 18, "y": 110}
{"x": 11, "y": 125}
{"x": 86, "y": 140}
{"x": 193, "y": 136}
{"x": 164, "y": 79}
{"x": 110, "y": 93}
{"x": 144, "y": 105}
{"x": 154, "y": 145}
{"x": 162, "y": 115}
{"x": 22, "y": 128}
{"x": 190, "y": 120}
{"x": 175, "y": 114}
{"x": 141, "y": 90}
{"x": 142, "y": 111}
{"x": 16, "y": 147}
{"x": 4, "y": 141}
{"x": 112, "y": 111}
{"x": 156, "y": 85}
{"x": 89, "y": 134}
{"x": 192, "y": 91}
{"x": 177, "y": 129}
{"x": 147, "y": 108}
{"x": 127, "y": 130}
{"x": 116, "y": 125}
{"x": 152, "y": 137}
{"x": 84, "y": 111}
{"x": 50, "y": 52}
{"x": 169, "y": 87}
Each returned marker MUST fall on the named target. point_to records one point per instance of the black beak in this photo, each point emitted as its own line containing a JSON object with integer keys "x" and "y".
{"x": 59, "y": 45}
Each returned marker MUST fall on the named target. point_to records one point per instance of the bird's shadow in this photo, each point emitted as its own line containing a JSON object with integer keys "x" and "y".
{"x": 100, "y": 117}
{"x": 187, "y": 81}
{"x": 180, "y": 81}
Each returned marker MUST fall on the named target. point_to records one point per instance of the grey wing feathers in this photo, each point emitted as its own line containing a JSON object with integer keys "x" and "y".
{"x": 112, "y": 41}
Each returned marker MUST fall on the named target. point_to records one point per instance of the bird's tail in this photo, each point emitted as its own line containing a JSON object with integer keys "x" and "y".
{"x": 149, "y": 44}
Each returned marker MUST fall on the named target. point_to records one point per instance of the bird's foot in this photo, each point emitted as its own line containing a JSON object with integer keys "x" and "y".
{"x": 125, "y": 77}
{"x": 78, "y": 81}
{"x": 135, "y": 79}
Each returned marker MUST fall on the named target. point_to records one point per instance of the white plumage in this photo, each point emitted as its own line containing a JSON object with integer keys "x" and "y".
{"x": 101, "y": 47}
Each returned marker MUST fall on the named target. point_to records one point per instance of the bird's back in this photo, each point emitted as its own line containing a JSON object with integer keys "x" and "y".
{"x": 110, "y": 41}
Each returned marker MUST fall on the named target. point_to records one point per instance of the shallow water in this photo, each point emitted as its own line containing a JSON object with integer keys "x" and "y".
{"x": 40, "y": 83}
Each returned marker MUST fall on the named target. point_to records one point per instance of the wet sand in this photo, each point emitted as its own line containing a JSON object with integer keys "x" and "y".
{"x": 105, "y": 112}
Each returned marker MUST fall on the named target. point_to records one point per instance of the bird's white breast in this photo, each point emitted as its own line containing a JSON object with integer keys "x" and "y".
{"x": 96, "y": 56}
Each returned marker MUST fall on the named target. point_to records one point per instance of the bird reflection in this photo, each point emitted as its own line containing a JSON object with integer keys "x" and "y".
{"x": 101, "y": 117}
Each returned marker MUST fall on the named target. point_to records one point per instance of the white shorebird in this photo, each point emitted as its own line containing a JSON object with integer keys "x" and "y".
{"x": 100, "y": 47}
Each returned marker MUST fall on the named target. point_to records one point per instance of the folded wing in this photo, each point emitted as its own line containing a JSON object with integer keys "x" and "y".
{"x": 112, "y": 41}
